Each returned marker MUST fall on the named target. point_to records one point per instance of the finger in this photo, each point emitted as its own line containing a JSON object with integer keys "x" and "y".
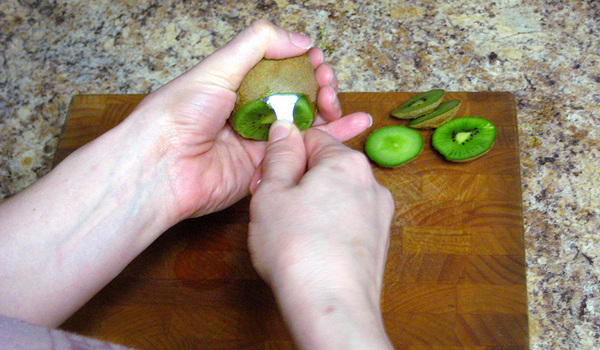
{"x": 320, "y": 146}
{"x": 324, "y": 73}
{"x": 325, "y": 77}
{"x": 227, "y": 66}
{"x": 342, "y": 130}
{"x": 327, "y": 98}
{"x": 347, "y": 127}
{"x": 316, "y": 57}
{"x": 284, "y": 162}
{"x": 328, "y": 104}
{"x": 256, "y": 178}
{"x": 334, "y": 83}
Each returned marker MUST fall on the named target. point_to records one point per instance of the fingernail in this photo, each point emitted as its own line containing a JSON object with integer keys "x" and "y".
{"x": 254, "y": 186}
{"x": 336, "y": 101}
{"x": 256, "y": 179}
{"x": 279, "y": 130}
{"x": 370, "y": 120}
{"x": 301, "y": 41}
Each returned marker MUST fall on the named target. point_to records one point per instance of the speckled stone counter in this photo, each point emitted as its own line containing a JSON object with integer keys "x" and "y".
{"x": 546, "y": 52}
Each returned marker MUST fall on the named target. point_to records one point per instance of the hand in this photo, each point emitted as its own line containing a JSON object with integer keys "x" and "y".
{"x": 320, "y": 238}
{"x": 207, "y": 165}
{"x": 174, "y": 157}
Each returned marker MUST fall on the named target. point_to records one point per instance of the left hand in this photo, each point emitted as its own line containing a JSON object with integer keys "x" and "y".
{"x": 174, "y": 157}
{"x": 208, "y": 166}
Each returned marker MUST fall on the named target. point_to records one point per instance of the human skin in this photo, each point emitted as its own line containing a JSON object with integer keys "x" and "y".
{"x": 175, "y": 157}
{"x": 319, "y": 233}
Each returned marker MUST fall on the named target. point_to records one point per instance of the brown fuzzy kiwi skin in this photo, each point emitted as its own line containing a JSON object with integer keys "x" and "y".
{"x": 437, "y": 121}
{"x": 268, "y": 77}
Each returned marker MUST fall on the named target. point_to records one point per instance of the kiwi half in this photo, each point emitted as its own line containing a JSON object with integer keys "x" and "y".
{"x": 254, "y": 119}
{"x": 419, "y": 105}
{"x": 393, "y": 145}
{"x": 296, "y": 75}
{"x": 465, "y": 138}
{"x": 443, "y": 113}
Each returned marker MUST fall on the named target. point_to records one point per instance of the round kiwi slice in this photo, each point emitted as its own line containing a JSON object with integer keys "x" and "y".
{"x": 294, "y": 75}
{"x": 393, "y": 145}
{"x": 465, "y": 138}
{"x": 419, "y": 105}
{"x": 443, "y": 113}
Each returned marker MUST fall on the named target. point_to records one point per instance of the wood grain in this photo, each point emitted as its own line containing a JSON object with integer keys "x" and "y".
{"x": 455, "y": 275}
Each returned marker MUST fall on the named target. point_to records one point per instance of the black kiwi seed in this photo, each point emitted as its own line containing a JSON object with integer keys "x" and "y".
{"x": 419, "y": 105}
{"x": 465, "y": 138}
{"x": 417, "y": 102}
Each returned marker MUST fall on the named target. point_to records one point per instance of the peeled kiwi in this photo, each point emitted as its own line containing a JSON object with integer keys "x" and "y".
{"x": 252, "y": 116}
{"x": 443, "y": 113}
{"x": 419, "y": 105}
{"x": 465, "y": 138}
{"x": 393, "y": 145}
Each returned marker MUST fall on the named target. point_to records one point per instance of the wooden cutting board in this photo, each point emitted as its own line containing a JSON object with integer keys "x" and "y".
{"x": 455, "y": 277}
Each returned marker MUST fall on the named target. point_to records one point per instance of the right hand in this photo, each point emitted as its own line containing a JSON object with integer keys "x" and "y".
{"x": 320, "y": 238}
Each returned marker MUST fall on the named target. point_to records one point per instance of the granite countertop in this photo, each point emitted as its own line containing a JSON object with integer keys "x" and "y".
{"x": 546, "y": 52}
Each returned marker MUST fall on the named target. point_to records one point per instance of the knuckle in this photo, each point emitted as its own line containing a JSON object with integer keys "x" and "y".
{"x": 388, "y": 199}
{"x": 278, "y": 151}
{"x": 280, "y": 156}
{"x": 356, "y": 169}
{"x": 354, "y": 161}
{"x": 263, "y": 29}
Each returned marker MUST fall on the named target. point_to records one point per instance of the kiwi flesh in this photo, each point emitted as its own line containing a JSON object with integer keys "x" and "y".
{"x": 254, "y": 119}
{"x": 391, "y": 146}
{"x": 443, "y": 113}
{"x": 464, "y": 139}
{"x": 419, "y": 105}
{"x": 293, "y": 75}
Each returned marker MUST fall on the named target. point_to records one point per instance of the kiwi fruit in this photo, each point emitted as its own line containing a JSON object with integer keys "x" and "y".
{"x": 419, "y": 105}
{"x": 465, "y": 138}
{"x": 252, "y": 116}
{"x": 253, "y": 120}
{"x": 443, "y": 113}
{"x": 393, "y": 145}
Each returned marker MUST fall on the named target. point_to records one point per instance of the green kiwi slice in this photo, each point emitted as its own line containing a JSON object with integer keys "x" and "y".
{"x": 465, "y": 138}
{"x": 443, "y": 113}
{"x": 419, "y": 105}
{"x": 253, "y": 120}
{"x": 393, "y": 145}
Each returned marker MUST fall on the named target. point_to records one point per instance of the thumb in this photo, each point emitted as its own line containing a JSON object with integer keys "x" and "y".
{"x": 227, "y": 66}
{"x": 284, "y": 162}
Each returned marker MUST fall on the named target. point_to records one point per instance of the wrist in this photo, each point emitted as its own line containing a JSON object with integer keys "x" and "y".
{"x": 93, "y": 214}
{"x": 122, "y": 179}
{"x": 325, "y": 315}
{"x": 140, "y": 158}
